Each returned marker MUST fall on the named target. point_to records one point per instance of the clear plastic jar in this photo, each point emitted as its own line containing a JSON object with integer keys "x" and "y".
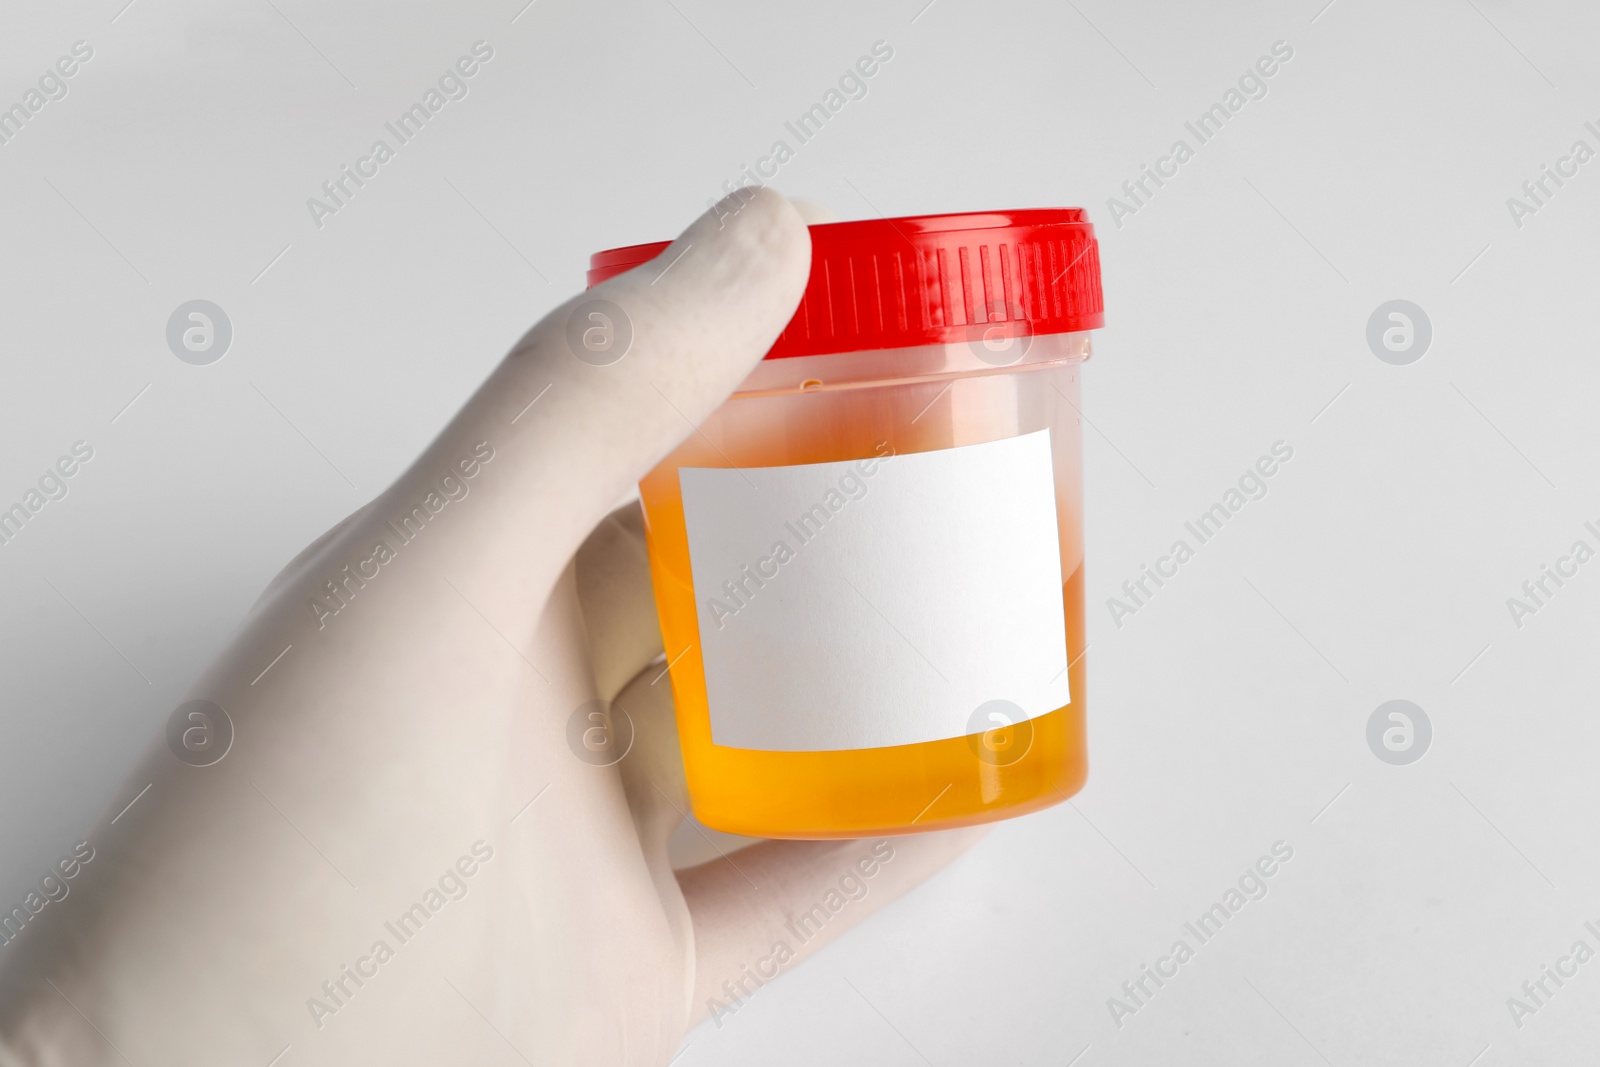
{"x": 868, "y": 563}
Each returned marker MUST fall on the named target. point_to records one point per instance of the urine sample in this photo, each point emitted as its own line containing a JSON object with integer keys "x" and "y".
{"x": 868, "y": 562}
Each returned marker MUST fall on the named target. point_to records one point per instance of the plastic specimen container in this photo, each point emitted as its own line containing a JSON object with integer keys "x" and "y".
{"x": 868, "y": 562}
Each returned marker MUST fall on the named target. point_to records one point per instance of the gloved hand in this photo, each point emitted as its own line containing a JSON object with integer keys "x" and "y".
{"x": 398, "y": 857}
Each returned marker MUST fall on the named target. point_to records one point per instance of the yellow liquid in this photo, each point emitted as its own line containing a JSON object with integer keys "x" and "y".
{"x": 906, "y": 788}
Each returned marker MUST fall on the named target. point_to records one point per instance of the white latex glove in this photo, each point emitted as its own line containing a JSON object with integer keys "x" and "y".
{"x": 396, "y": 746}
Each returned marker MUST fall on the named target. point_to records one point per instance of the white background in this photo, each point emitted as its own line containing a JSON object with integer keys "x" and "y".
{"x": 1224, "y": 716}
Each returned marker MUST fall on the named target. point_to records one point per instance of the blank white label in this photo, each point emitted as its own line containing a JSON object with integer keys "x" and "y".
{"x": 878, "y": 602}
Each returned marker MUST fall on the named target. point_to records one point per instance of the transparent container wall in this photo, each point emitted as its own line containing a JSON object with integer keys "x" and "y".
{"x": 840, "y": 407}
